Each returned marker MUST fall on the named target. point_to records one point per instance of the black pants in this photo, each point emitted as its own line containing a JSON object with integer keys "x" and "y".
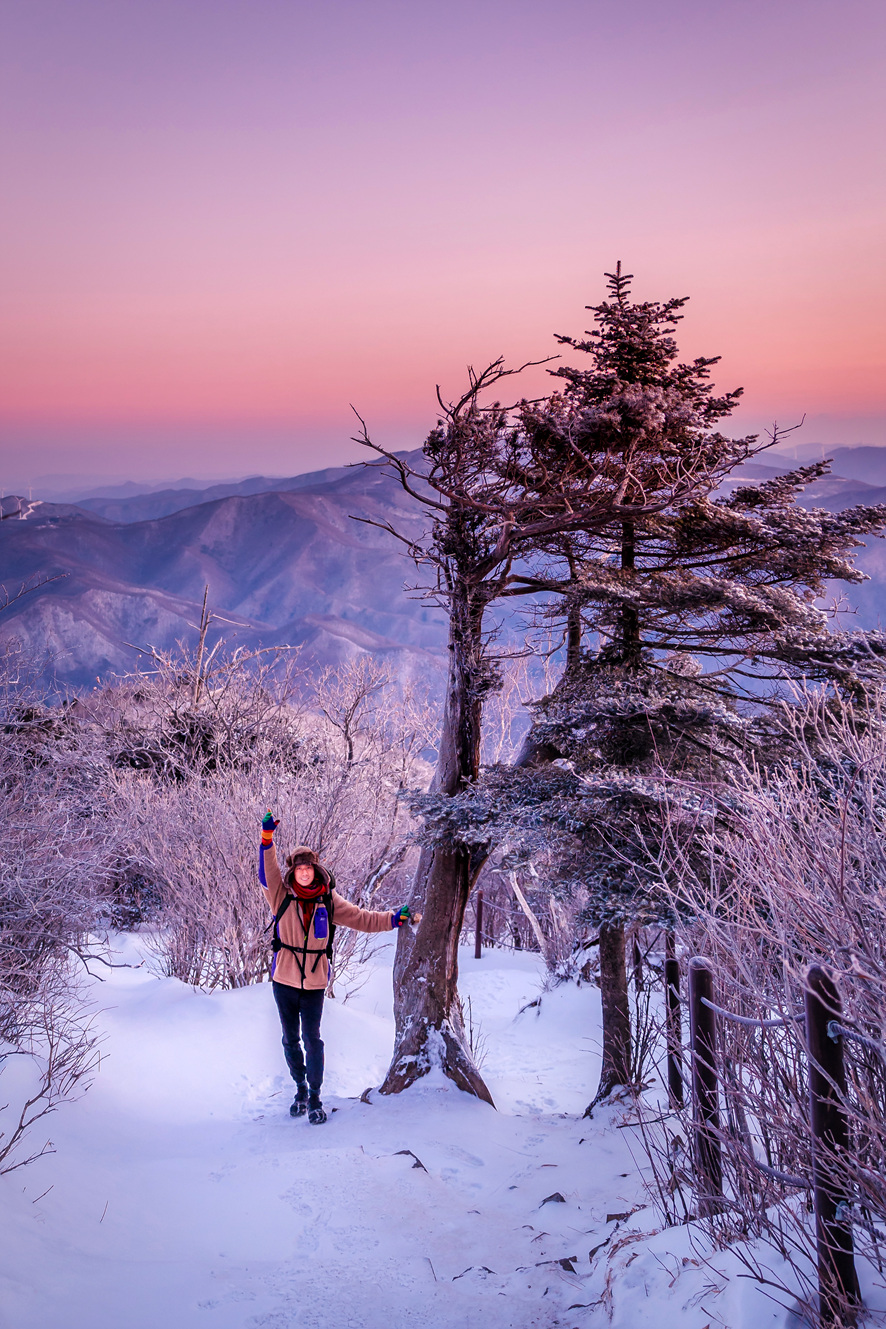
{"x": 300, "y": 1011}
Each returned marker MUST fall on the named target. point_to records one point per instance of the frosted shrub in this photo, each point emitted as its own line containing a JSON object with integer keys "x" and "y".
{"x": 331, "y": 769}
{"x": 798, "y": 878}
{"x": 196, "y": 843}
{"x": 58, "y": 849}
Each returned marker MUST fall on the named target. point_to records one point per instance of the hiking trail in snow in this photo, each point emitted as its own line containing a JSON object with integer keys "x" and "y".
{"x": 183, "y": 1196}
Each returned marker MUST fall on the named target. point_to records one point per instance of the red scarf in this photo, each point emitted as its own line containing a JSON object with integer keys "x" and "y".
{"x": 306, "y": 897}
{"x": 312, "y": 892}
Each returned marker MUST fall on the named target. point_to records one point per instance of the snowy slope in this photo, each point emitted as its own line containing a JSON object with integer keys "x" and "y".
{"x": 183, "y": 1195}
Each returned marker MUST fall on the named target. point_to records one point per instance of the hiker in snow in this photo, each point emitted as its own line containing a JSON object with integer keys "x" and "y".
{"x": 302, "y": 951}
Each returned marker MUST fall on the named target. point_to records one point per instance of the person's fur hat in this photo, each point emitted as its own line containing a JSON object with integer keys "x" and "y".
{"x": 303, "y": 853}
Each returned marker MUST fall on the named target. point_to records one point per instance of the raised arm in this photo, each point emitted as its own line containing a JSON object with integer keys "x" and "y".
{"x": 269, "y": 875}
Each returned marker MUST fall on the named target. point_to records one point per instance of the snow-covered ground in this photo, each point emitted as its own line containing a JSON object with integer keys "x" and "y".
{"x": 183, "y": 1196}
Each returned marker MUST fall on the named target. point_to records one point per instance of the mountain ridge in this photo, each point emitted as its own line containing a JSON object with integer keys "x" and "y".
{"x": 285, "y": 566}
{"x": 164, "y": 502}
{"x": 291, "y": 567}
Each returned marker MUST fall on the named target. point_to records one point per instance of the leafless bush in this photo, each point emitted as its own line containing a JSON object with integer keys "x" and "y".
{"x": 521, "y": 912}
{"x": 193, "y": 713}
{"x": 60, "y": 1055}
{"x": 195, "y": 841}
{"x": 55, "y": 870}
{"x": 194, "y": 836}
{"x": 799, "y": 877}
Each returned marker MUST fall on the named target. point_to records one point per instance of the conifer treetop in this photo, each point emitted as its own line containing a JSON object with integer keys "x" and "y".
{"x": 634, "y": 343}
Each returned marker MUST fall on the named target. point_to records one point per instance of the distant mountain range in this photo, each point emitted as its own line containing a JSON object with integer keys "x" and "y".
{"x": 288, "y": 565}
{"x": 867, "y": 464}
{"x": 149, "y": 505}
{"x": 864, "y": 605}
{"x": 285, "y": 563}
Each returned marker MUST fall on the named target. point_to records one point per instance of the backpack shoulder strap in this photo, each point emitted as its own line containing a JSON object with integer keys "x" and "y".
{"x": 284, "y": 905}
{"x": 330, "y": 909}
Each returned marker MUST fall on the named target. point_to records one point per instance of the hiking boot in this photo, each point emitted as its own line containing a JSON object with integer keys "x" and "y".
{"x": 316, "y": 1114}
{"x": 299, "y": 1105}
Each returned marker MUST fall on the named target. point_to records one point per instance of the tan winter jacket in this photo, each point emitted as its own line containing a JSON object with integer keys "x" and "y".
{"x": 292, "y": 930}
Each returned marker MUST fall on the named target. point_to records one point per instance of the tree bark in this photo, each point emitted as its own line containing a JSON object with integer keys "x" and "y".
{"x": 429, "y": 1028}
{"x": 616, "y": 1067}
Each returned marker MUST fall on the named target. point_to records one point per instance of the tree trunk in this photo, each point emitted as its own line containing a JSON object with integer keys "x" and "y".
{"x": 630, "y": 618}
{"x": 533, "y": 921}
{"x": 427, "y": 1012}
{"x": 574, "y": 630}
{"x": 616, "y": 1068}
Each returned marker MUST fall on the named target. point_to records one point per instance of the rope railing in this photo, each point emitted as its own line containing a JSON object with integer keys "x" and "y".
{"x": 746, "y": 1020}
{"x": 502, "y": 909}
{"x": 837, "y": 1030}
{"x": 749, "y": 1023}
{"x": 786, "y": 1179}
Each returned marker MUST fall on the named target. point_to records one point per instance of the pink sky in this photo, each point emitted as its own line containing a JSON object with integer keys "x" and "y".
{"x": 226, "y": 221}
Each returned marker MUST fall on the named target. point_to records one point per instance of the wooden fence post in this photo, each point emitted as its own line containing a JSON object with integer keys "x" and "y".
{"x": 837, "y": 1280}
{"x": 673, "y": 1022}
{"x": 705, "y": 1098}
{"x": 478, "y": 930}
{"x": 637, "y": 964}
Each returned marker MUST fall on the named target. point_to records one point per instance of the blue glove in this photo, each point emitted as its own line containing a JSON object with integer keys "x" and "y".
{"x": 400, "y": 917}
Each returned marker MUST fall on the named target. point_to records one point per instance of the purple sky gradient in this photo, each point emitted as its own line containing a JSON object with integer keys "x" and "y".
{"x": 223, "y": 222}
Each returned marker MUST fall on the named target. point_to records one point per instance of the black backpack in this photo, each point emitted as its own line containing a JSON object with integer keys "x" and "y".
{"x": 301, "y": 953}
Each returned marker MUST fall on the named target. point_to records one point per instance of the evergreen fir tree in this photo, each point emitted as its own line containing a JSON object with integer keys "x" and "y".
{"x": 680, "y": 620}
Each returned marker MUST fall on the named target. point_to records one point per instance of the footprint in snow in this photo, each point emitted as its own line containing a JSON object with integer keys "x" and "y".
{"x": 471, "y": 1159}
